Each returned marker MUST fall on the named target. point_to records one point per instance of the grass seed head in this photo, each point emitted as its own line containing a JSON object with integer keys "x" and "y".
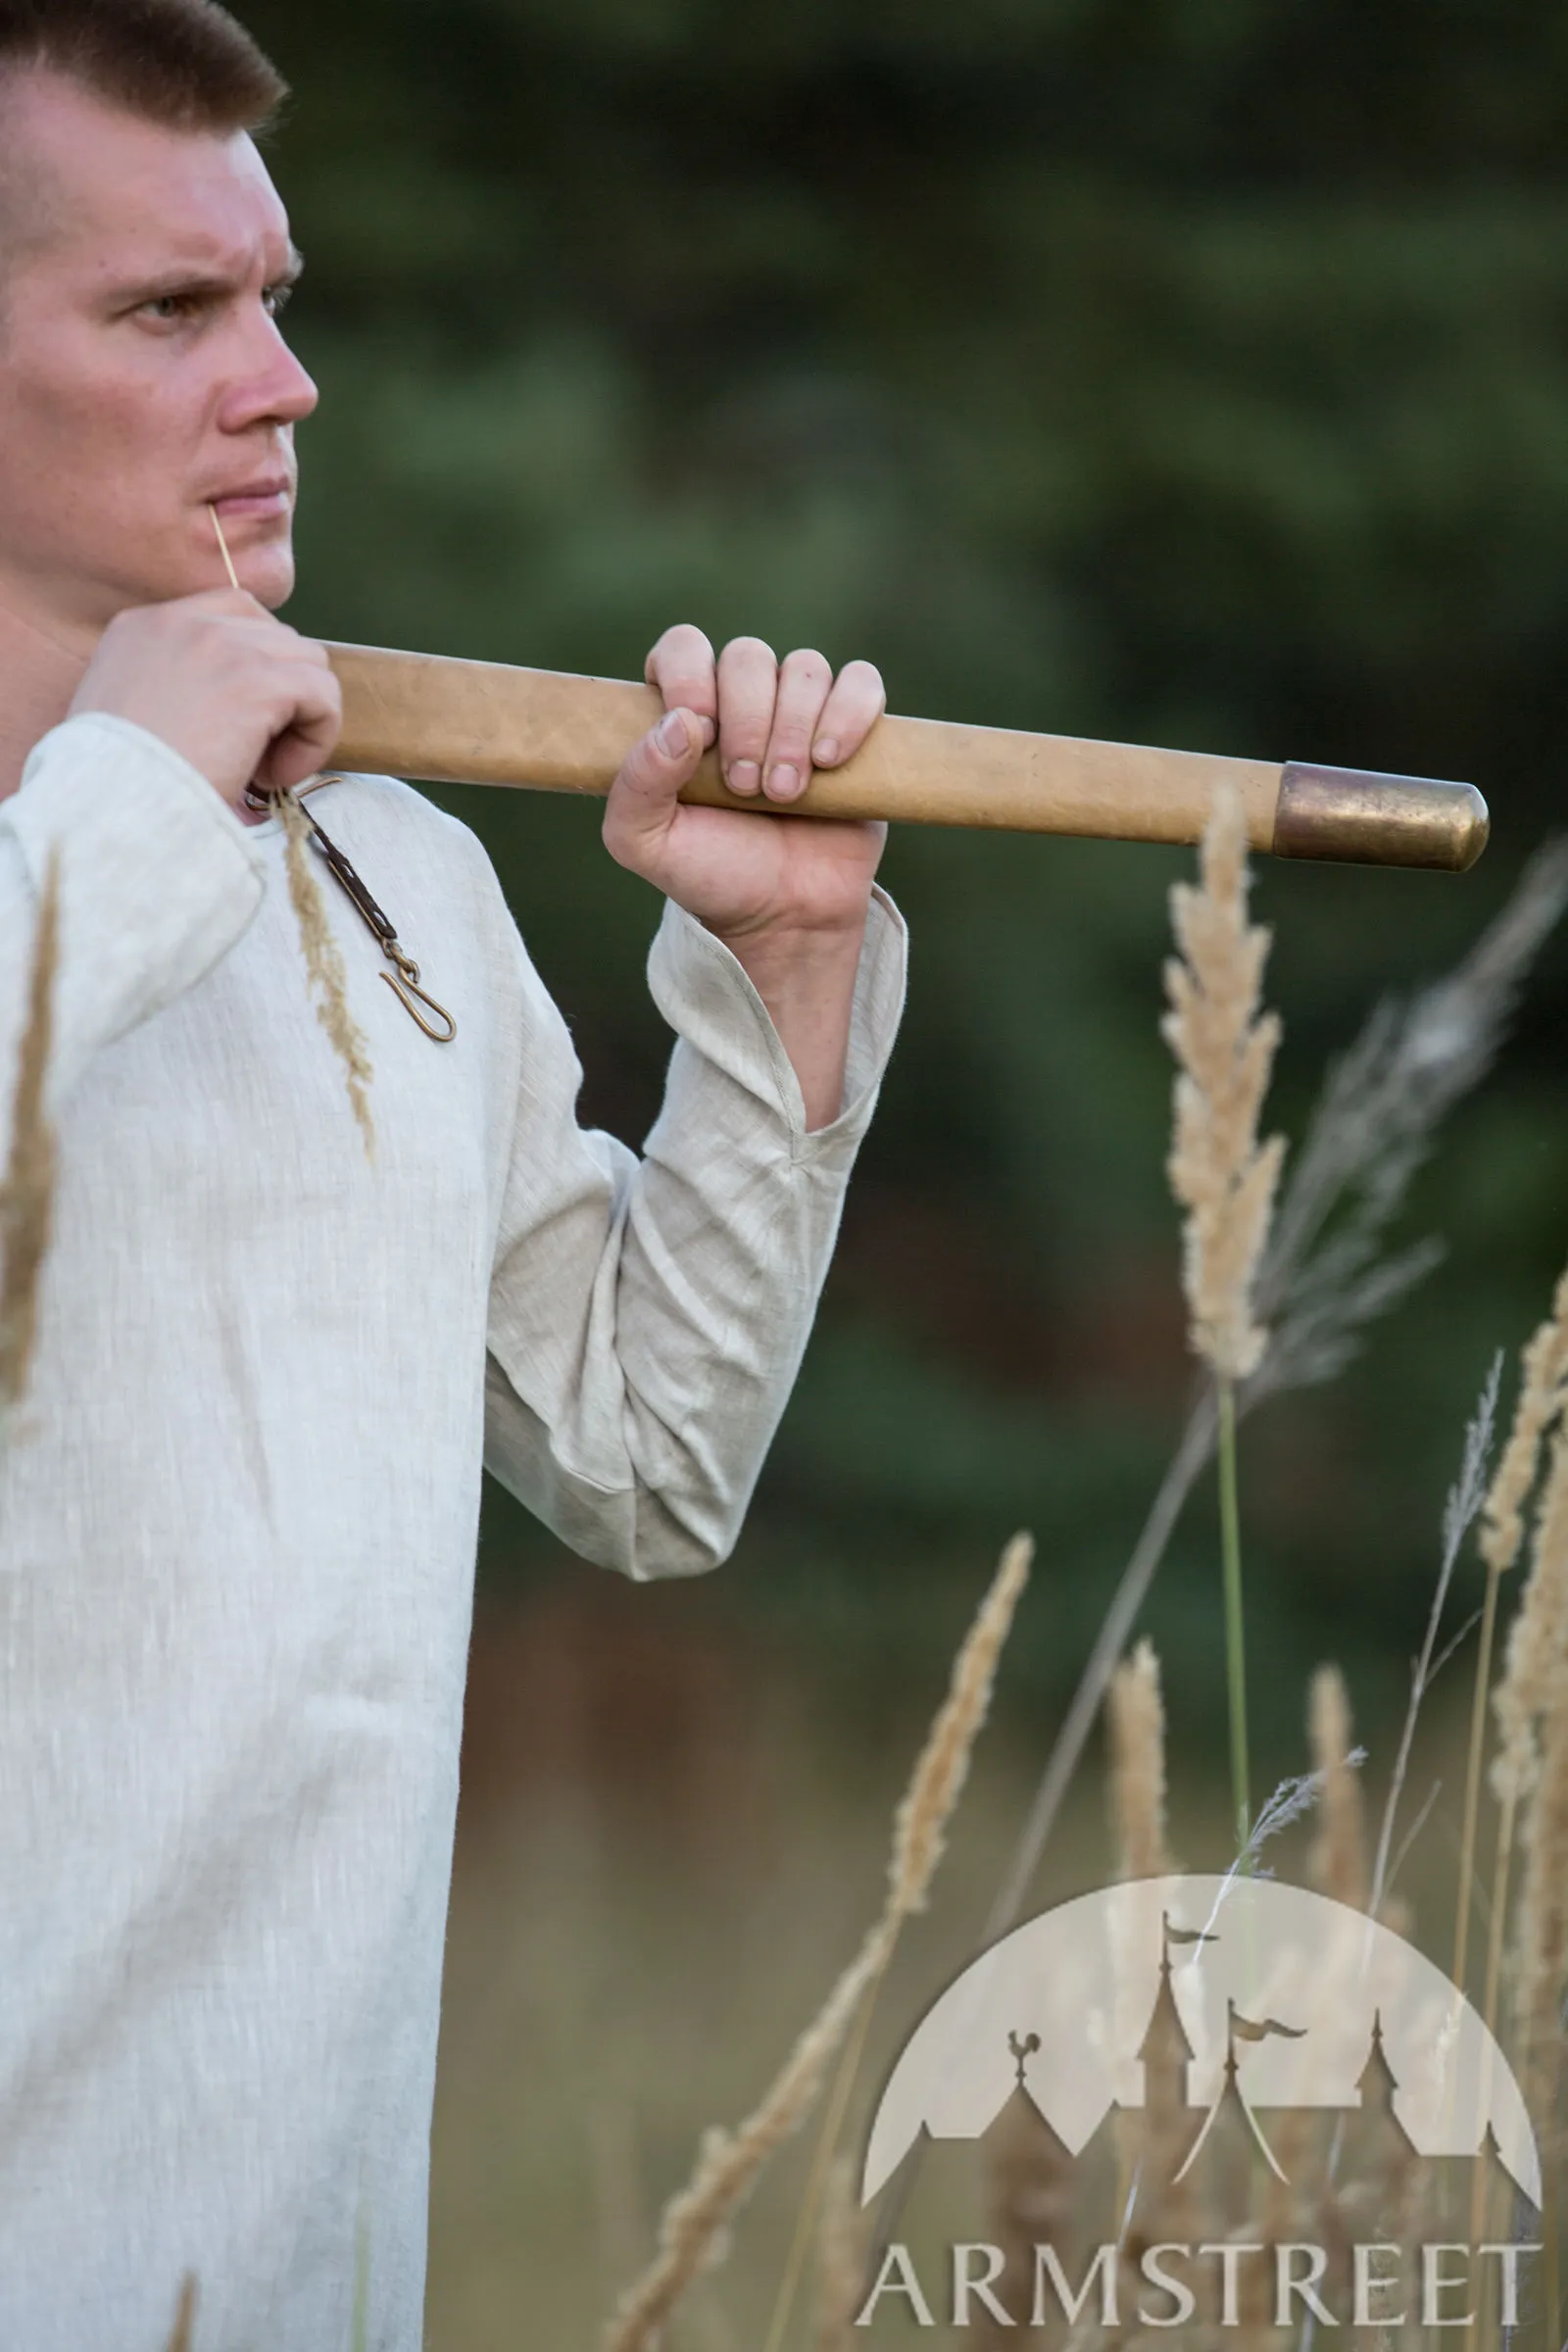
{"x": 841, "y": 2249}
{"x": 27, "y": 1188}
{"x": 692, "y": 2233}
{"x": 1031, "y": 2198}
{"x": 185, "y": 2317}
{"x": 1338, "y": 1862}
{"x": 1137, "y": 1721}
{"x": 1542, "y": 1391}
{"x": 1542, "y": 1929}
{"x": 1532, "y": 1677}
{"x": 1224, "y": 1046}
{"x": 921, "y": 1823}
{"x": 323, "y": 963}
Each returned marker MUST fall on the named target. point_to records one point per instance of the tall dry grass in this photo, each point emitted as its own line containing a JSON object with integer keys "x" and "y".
{"x": 323, "y": 959}
{"x": 1302, "y": 1293}
{"x": 324, "y": 967}
{"x": 1463, "y": 1506}
{"x": 1315, "y": 1279}
{"x": 1543, "y": 1927}
{"x": 26, "y": 1190}
{"x": 1224, "y": 1045}
{"x": 183, "y": 2336}
{"x": 693, "y": 2229}
{"x": 1542, "y": 1391}
{"x": 1223, "y": 1178}
{"x": 1328, "y": 1273}
{"x": 1338, "y": 1862}
{"x": 840, "y": 2260}
{"x": 1538, "y": 1625}
{"x": 1529, "y": 1691}
{"x": 1136, "y": 1714}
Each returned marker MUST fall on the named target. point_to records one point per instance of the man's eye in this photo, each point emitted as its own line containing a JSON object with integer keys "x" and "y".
{"x": 170, "y": 306}
{"x": 277, "y": 299}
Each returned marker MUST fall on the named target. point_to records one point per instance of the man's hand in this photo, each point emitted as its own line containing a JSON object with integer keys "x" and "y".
{"x": 788, "y": 898}
{"x": 238, "y": 694}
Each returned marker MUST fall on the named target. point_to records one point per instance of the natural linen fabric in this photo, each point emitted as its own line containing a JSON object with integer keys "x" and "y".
{"x": 238, "y": 1523}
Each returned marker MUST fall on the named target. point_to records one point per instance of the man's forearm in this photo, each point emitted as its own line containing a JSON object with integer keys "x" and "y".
{"x": 805, "y": 978}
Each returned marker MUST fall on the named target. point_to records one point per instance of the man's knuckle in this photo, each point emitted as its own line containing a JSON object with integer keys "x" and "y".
{"x": 745, "y": 737}
{"x": 682, "y": 647}
{"x": 749, "y": 649}
{"x": 791, "y": 732}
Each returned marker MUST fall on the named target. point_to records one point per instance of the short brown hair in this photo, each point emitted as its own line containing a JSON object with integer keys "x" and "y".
{"x": 185, "y": 64}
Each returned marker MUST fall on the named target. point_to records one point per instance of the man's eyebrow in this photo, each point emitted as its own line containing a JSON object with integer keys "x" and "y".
{"x": 195, "y": 280}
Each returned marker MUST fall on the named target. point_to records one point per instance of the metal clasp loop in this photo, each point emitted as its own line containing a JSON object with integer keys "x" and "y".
{"x": 404, "y": 985}
{"x": 404, "y": 982}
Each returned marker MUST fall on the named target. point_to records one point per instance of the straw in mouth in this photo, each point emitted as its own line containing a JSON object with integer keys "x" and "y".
{"x": 223, "y": 546}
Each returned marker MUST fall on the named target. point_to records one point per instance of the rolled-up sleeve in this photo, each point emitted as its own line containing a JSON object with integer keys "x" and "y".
{"x": 648, "y": 1317}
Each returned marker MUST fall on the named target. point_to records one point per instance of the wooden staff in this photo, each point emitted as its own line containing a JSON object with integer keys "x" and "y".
{"x": 479, "y": 722}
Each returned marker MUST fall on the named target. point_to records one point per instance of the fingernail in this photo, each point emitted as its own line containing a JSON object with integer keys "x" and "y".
{"x": 743, "y": 776}
{"x": 672, "y": 736}
{"x": 826, "y": 752}
{"x": 783, "y": 781}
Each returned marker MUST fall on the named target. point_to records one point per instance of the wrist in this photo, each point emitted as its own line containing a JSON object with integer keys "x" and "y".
{"x": 805, "y": 975}
{"x": 788, "y": 942}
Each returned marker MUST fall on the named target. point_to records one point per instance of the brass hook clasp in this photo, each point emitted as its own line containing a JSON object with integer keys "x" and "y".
{"x": 404, "y": 985}
{"x": 404, "y": 981}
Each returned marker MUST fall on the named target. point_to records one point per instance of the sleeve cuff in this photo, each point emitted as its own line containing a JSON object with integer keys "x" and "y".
{"x": 707, "y": 999}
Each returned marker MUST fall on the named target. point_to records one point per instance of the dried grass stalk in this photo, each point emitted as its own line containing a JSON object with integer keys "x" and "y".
{"x": 1224, "y": 1048}
{"x": 1533, "y": 1660}
{"x": 1543, "y": 1390}
{"x": 185, "y": 2316}
{"x": 1460, "y": 1511}
{"x": 323, "y": 963}
{"x": 1338, "y": 1861}
{"x": 840, "y": 2260}
{"x": 1326, "y": 1275}
{"x": 1031, "y": 2198}
{"x": 919, "y": 1829}
{"x": 692, "y": 2231}
{"x": 1327, "y": 1272}
{"x": 1543, "y": 1929}
{"x": 1137, "y": 1719}
{"x": 1530, "y": 1686}
{"x": 27, "y": 1191}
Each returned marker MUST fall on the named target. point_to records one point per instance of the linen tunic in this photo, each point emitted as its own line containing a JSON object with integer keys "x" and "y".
{"x": 238, "y": 1516}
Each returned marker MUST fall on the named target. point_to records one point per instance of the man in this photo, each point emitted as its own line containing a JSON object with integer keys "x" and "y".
{"x": 238, "y": 1525}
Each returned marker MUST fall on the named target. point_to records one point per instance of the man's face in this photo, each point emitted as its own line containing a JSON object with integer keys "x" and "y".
{"x": 142, "y": 374}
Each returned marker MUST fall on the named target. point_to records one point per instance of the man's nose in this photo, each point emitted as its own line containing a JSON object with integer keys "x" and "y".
{"x": 274, "y": 388}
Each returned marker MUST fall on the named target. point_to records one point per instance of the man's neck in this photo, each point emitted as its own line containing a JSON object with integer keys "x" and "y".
{"x": 40, "y": 672}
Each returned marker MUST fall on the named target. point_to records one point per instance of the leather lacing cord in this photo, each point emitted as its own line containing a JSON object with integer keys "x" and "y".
{"x": 403, "y": 980}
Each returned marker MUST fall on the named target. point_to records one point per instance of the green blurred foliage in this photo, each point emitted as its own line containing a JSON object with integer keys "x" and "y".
{"x": 1184, "y": 371}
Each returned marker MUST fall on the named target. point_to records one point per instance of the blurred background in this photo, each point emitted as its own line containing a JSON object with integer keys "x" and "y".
{"x": 1190, "y": 372}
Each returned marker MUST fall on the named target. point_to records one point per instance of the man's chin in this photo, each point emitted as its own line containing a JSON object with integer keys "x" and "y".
{"x": 267, "y": 574}
{"x": 264, "y": 571}
{"x": 265, "y": 560}
{"x": 275, "y": 591}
